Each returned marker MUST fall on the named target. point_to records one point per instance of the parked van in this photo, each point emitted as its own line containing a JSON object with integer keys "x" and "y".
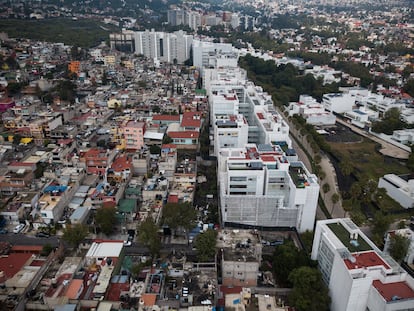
{"x": 19, "y": 228}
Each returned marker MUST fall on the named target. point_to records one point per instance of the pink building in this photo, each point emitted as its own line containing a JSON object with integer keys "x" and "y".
{"x": 134, "y": 135}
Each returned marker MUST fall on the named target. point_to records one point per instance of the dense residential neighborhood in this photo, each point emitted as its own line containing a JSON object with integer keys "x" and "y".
{"x": 168, "y": 155}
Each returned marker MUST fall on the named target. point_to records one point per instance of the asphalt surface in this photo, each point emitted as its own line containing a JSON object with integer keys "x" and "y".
{"x": 134, "y": 249}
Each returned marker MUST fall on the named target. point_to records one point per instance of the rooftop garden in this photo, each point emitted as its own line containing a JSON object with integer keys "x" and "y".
{"x": 358, "y": 245}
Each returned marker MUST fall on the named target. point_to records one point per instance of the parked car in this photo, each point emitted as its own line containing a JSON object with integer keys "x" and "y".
{"x": 19, "y": 228}
{"x": 4, "y": 231}
{"x": 127, "y": 243}
{"x": 42, "y": 234}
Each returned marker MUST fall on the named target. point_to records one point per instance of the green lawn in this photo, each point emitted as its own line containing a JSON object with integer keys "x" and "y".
{"x": 367, "y": 162}
{"x": 344, "y": 236}
{"x": 82, "y": 32}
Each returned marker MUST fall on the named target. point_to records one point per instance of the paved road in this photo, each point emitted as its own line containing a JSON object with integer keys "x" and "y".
{"x": 22, "y": 239}
{"x": 134, "y": 249}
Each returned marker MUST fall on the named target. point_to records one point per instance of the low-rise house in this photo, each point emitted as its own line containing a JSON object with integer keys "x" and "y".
{"x": 53, "y": 201}
{"x": 96, "y": 160}
{"x": 185, "y": 139}
{"x": 405, "y": 137}
{"x": 362, "y": 117}
{"x": 241, "y": 257}
{"x": 12, "y": 182}
{"x": 312, "y": 111}
{"x": 400, "y": 188}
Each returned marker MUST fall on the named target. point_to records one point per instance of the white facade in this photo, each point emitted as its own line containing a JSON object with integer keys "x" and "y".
{"x": 405, "y": 137}
{"x": 400, "y": 189}
{"x": 312, "y": 111}
{"x": 168, "y": 47}
{"x": 230, "y": 131}
{"x": 338, "y": 102}
{"x": 259, "y": 187}
{"x": 258, "y": 184}
{"x": 358, "y": 275}
{"x": 214, "y": 55}
{"x": 361, "y": 117}
{"x": 329, "y": 75}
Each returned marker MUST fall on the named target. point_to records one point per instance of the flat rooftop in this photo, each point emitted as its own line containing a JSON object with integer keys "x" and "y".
{"x": 353, "y": 245}
{"x": 394, "y": 291}
{"x": 365, "y": 260}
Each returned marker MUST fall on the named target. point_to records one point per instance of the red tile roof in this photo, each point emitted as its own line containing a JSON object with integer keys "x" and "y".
{"x": 149, "y": 299}
{"x": 173, "y": 198}
{"x": 166, "y": 117}
{"x": 260, "y": 115}
{"x": 394, "y": 291}
{"x": 12, "y": 264}
{"x": 74, "y": 289}
{"x": 184, "y": 134}
{"x": 191, "y": 119}
{"x": 268, "y": 158}
{"x": 171, "y": 146}
{"x": 65, "y": 141}
{"x": 367, "y": 259}
{"x": 121, "y": 163}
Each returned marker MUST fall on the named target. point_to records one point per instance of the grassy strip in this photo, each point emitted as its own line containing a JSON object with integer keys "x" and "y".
{"x": 320, "y": 201}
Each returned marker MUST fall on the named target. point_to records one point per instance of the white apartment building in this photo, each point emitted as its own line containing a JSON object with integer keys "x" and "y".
{"x": 232, "y": 96}
{"x": 359, "y": 276}
{"x": 259, "y": 187}
{"x": 168, "y": 47}
{"x": 338, "y": 102}
{"x": 313, "y": 112}
{"x": 400, "y": 188}
{"x": 231, "y": 131}
{"x": 214, "y": 55}
{"x": 162, "y": 46}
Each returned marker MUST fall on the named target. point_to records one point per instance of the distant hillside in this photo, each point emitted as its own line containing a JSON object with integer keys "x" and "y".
{"x": 81, "y": 32}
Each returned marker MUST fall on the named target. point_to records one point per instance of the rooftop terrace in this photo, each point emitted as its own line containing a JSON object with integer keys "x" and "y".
{"x": 358, "y": 244}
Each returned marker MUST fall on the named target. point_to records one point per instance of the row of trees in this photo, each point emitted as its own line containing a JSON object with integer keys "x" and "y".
{"x": 293, "y": 268}
{"x": 284, "y": 82}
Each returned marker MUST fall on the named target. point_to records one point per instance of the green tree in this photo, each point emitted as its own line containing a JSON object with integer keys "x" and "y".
{"x": 154, "y": 149}
{"x": 307, "y": 239}
{"x": 105, "y": 218}
{"x": 47, "y": 249}
{"x": 167, "y": 139}
{"x": 379, "y": 227}
{"x": 148, "y": 235}
{"x": 74, "y": 234}
{"x": 355, "y": 191}
{"x": 309, "y": 292}
{"x": 325, "y": 189}
{"x": 409, "y": 87}
{"x": 205, "y": 244}
{"x": 398, "y": 247}
{"x": 390, "y": 122}
{"x": 346, "y": 166}
{"x": 334, "y": 199}
{"x": 286, "y": 258}
{"x": 179, "y": 215}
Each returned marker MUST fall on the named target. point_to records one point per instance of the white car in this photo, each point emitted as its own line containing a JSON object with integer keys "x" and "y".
{"x": 127, "y": 243}
{"x": 19, "y": 228}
